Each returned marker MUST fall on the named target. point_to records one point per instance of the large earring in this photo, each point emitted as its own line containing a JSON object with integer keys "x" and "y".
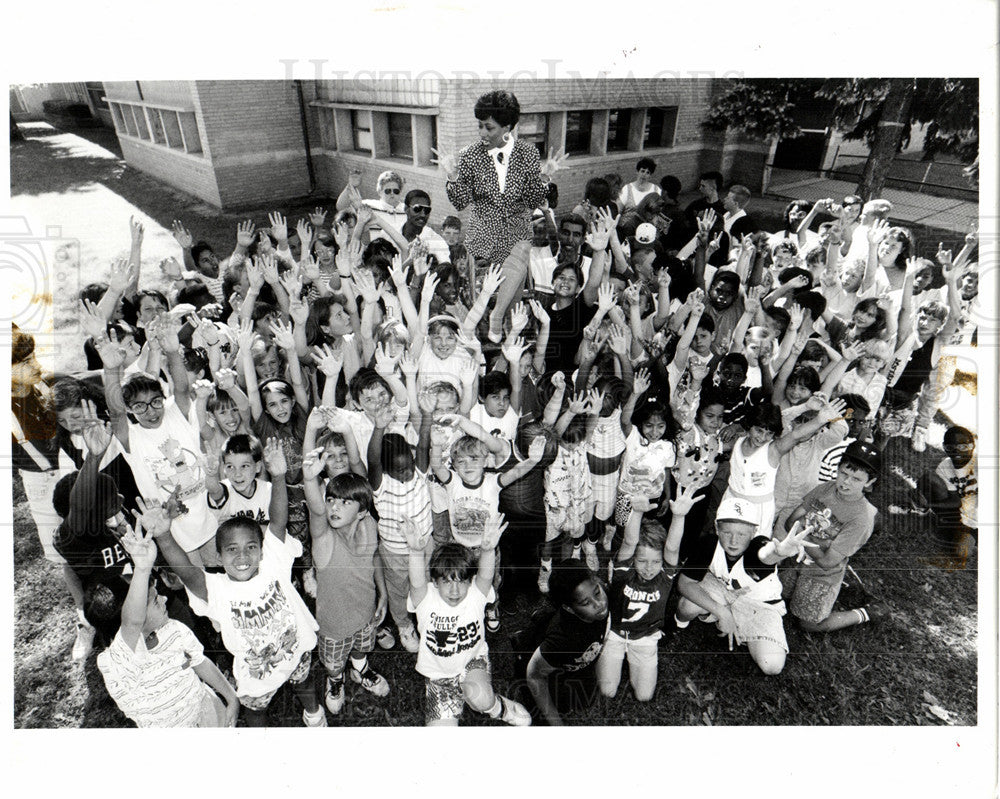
{"x": 506, "y": 137}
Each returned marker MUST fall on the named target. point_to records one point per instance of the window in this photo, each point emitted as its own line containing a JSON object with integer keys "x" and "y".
{"x": 166, "y": 127}
{"x": 534, "y": 129}
{"x": 619, "y": 120}
{"x": 661, "y": 123}
{"x": 400, "y": 136}
{"x": 361, "y": 125}
{"x": 96, "y": 91}
{"x": 578, "y": 132}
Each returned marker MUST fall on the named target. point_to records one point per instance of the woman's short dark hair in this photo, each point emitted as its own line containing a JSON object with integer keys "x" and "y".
{"x": 646, "y": 163}
{"x": 501, "y": 105}
{"x": 598, "y": 192}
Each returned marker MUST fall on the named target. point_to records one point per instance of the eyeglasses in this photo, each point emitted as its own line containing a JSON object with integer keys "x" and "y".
{"x": 961, "y": 447}
{"x": 391, "y": 191}
{"x": 141, "y": 407}
{"x": 426, "y": 209}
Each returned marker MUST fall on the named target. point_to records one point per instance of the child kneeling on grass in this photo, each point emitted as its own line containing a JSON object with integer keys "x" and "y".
{"x": 734, "y": 578}
{"x": 841, "y": 520}
{"x": 264, "y": 622}
{"x": 451, "y": 610}
{"x": 155, "y": 669}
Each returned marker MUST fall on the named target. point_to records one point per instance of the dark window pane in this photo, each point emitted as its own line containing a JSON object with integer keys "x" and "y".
{"x": 618, "y": 125}
{"x": 400, "y": 136}
{"x": 578, "y": 132}
{"x": 660, "y": 126}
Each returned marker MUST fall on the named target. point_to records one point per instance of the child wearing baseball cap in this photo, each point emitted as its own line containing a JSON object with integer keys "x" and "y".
{"x": 841, "y": 520}
{"x": 733, "y": 577}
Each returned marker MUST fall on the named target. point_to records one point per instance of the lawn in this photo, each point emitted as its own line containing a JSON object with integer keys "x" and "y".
{"x": 918, "y": 667}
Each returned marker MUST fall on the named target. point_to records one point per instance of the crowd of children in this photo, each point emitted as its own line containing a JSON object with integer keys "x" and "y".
{"x": 362, "y": 434}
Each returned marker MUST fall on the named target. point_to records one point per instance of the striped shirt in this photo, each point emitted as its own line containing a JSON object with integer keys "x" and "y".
{"x": 396, "y": 501}
{"x": 156, "y": 687}
{"x": 829, "y": 461}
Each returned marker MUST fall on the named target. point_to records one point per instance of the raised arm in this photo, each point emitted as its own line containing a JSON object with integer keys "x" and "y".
{"x": 274, "y": 459}
{"x": 113, "y": 357}
{"x": 416, "y": 542}
{"x": 157, "y": 519}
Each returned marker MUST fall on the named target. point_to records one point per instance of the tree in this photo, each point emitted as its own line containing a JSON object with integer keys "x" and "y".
{"x": 879, "y": 110}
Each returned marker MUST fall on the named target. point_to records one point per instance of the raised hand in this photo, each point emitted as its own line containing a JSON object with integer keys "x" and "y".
{"x": 793, "y": 545}
{"x": 245, "y": 336}
{"x": 447, "y": 160}
{"x": 96, "y": 433}
{"x": 318, "y": 217}
{"x": 518, "y": 318}
{"x": 834, "y": 410}
{"x": 707, "y": 220}
{"x": 495, "y": 527}
{"x": 714, "y": 245}
{"x": 877, "y": 231}
{"x": 171, "y": 269}
{"x": 595, "y": 401}
{"x": 274, "y": 458}
{"x": 559, "y": 381}
{"x": 685, "y": 500}
{"x": 292, "y": 284}
{"x": 632, "y": 294}
{"x": 512, "y": 350}
{"x": 469, "y": 342}
{"x": 203, "y": 389}
{"x": 798, "y": 315}
{"x": 328, "y": 360}
{"x": 305, "y": 233}
{"x": 553, "y": 163}
{"x": 122, "y": 272}
{"x": 385, "y": 364}
{"x": 698, "y": 370}
{"x": 279, "y": 226}
{"x": 141, "y": 546}
{"x": 168, "y": 330}
{"x": 493, "y": 279}
{"x": 620, "y": 339}
{"x": 255, "y": 274}
{"x": 430, "y": 286}
{"x": 244, "y": 234}
{"x": 225, "y": 379}
{"x": 536, "y": 449}
{"x": 420, "y": 265}
{"x": 416, "y": 540}
{"x": 312, "y": 464}
{"x": 155, "y": 517}
{"x": 92, "y": 321}
{"x": 754, "y": 296}
{"x": 182, "y": 235}
{"x": 577, "y": 403}
{"x": 605, "y": 298}
{"x": 641, "y": 382}
{"x": 283, "y": 336}
{"x": 269, "y": 268}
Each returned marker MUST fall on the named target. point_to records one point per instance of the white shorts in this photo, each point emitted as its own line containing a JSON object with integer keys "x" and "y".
{"x": 38, "y": 486}
{"x": 605, "y": 489}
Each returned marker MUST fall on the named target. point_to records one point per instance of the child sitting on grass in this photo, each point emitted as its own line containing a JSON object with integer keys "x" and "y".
{"x": 155, "y": 669}
{"x": 450, "y": 608}
{"x": 264, "y": 622}
{"x": 351, "y": 596}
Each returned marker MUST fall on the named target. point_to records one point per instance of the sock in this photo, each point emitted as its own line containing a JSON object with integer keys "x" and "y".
{"x": 82, "y": 618}
{"x": 497, "y": 710}
{"x": 547, "y": 564}
{"x": 577, "y": 546}
{"x": 680, "y": 624}
{"x": 594, "y": 529}
{"x": 862, "y": 615}
{"x": 359, "y": 664}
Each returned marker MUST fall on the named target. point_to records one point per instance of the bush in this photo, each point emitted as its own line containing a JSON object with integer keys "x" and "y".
{"x": 66, "y": 108}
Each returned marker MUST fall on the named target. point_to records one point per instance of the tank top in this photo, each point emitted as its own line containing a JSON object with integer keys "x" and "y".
{"x": 767, "y": 589}
{"x": 752, "y": 477}
{"x": 345, "y": 587}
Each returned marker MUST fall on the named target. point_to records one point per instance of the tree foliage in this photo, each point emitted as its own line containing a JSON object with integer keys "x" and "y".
{"x": 766, "y": 107}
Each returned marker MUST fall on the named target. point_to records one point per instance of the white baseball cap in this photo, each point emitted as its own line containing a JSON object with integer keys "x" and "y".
{"x": 734, "y": 509}
{"x": 645, "y": 233}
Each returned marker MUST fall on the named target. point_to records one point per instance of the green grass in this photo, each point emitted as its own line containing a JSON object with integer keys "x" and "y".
{"x": 924, "y": 655}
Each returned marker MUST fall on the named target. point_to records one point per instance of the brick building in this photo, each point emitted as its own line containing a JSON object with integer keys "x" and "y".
{"x": 245, "y": 143}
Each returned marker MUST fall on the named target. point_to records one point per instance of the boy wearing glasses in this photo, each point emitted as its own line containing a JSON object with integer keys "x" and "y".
{"x": 161, "y": 446}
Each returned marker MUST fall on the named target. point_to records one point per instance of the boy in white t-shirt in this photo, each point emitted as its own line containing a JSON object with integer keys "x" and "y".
{"x": 242, "y": 492}
{"x": 450, "y": 608}
{"x": 265, "y": 624}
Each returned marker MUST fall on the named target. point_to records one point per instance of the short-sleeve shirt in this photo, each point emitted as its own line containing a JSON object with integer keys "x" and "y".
{"x": 265, "y": 624}
{"x": 638, "y": 607}
{"x": 572, "y": 644}
{"x": 156, "y": 687}
{"x": 471, "y": 507}
{"x": 233, "y": 503}
{"x": 396, "y": 501}
{"x": 644, "y": 467}
{"x": 450, "y": 635}
{"x": 851, "y": 525}
{"x": 566, "y": 332}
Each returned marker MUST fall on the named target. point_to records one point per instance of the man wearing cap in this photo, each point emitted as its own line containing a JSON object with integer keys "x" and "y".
{"x": 733, "y": 576}
{"x": 842, "y": 521}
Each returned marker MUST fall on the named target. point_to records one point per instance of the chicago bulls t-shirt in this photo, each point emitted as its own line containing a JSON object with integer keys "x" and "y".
{"x": 450, "y": 635}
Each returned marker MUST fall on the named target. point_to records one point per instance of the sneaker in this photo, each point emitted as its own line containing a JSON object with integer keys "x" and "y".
{"x": 919, "y": 439}
{"x": 369, "y": 679}
{"x": 492, "y": 618}
{"x": 514, "y": 713}
{"x": 385, "y": 638}
{"x": 590, "y": 555}
{"x": 609, "y": 537}
{"x": 877, "y": 611}
{"x": 309, "y": 582}
{"x": 84, "y": 643}
{"x": 543, "y": 578}
{"x": 334, "y": 698}
{"x": 409, "y": 639}
{"x": 317, "y": 719}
